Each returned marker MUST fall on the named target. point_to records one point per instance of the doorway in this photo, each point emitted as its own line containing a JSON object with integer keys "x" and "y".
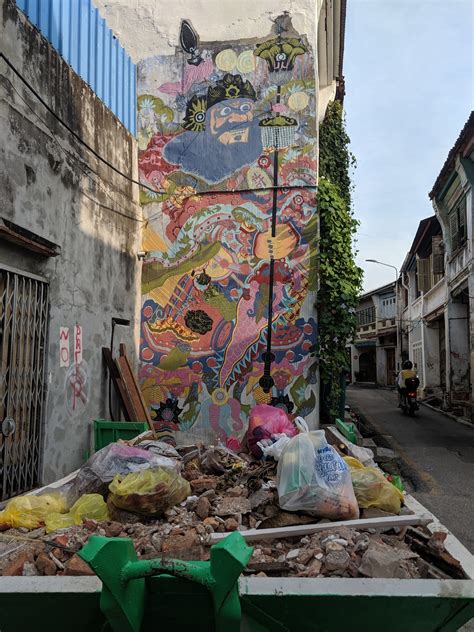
{"x": 23, "y": 328}
{"x": 367, "y": 367}
{"x": 390, "y": 364}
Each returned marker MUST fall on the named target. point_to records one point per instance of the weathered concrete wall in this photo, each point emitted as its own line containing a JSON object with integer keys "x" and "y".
{"x": 52, "y": 185}
{"x": 215, "y": 20}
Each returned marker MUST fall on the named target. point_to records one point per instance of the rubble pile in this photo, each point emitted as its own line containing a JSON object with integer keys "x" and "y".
{"x": 231, "y": 492}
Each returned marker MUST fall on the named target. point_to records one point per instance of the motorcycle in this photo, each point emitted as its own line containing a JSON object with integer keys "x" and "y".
{"x": 409, "y": 403}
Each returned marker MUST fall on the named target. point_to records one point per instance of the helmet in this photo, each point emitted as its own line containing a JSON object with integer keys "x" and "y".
{"x": 407, "y": 364}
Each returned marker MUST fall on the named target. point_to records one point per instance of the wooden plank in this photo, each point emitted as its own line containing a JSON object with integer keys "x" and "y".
{"x": 307, "y": 529}
{"x": 133, "y": 391}
{"x": 139, "y": 392}
{"x": 122, "y": 396}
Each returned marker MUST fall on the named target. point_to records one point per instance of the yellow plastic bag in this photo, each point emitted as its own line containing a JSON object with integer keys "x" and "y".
{"x": 372, "y": 489}
{"x": 91, "y": 506}
{"x": 353, "y": 463}
{"x": 149, "y": 492}
{"x": 31, "y": 511}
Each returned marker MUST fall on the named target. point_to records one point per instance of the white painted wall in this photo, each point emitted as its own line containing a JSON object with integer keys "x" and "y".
{"x": 147, "y": 27}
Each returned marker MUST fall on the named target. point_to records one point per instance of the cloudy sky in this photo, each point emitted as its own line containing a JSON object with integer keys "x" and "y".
{"x": 410, "y": 88}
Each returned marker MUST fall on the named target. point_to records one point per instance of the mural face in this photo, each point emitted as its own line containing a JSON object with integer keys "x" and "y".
{"x": 227, "y": 145}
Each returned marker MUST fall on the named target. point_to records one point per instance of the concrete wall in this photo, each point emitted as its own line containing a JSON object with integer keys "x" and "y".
{"x": 215, "y": 20}
{"x": 52, "y": 185}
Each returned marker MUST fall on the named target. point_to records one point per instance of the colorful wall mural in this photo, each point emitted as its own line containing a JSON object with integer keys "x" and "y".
{"x": 227, "y": 136}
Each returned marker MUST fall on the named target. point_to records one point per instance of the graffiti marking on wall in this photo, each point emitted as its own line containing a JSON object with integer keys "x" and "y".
{"x": 64, "y": 348}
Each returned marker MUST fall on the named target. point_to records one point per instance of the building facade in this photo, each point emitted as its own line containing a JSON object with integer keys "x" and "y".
{"x": 70, "y": 230}
{"x": 422, "y": 300}
{"x": 453, "y": 201}
{"x": 373, "y": 354}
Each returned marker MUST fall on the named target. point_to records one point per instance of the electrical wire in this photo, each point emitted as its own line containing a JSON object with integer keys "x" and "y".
{"x": 121, "y": 173}
{"x": 86, "y": 170}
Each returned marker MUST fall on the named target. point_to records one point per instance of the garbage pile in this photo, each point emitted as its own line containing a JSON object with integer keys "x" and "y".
{"x": 173, "y": 501}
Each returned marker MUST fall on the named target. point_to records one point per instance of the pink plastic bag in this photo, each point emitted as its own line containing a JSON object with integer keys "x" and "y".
{"x": 266, "y": 421}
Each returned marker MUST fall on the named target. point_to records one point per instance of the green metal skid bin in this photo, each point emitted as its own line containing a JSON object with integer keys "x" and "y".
{"x": 152, "y": 595}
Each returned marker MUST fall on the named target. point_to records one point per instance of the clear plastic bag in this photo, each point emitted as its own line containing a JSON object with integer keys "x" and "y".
{"x": 372, "y": 489}
{"x": 116, "y": 458}
{"x": 275, "y": 446}
{"x": 91, "y": 506}
{"x": 312, "y": 477}
{"x": 31, "y": 511}
{"x": 149, "y": 492}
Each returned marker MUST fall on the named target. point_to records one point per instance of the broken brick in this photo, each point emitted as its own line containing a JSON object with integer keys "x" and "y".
{"x": 76, "y": 567}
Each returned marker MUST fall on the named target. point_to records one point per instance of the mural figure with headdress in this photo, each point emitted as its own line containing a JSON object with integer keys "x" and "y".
{"x": 221, "y": 131}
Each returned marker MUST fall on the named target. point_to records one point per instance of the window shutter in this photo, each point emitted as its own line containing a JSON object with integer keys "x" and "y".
{"x": 423, "y": 271}
{"x": 438, "y": 254}
{"x": 453, "y": 229}
{"x": 462, "y": 221}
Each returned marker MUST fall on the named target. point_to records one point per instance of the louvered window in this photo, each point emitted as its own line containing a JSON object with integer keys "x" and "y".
{"x": 423, "y": 274}
{"x": 438, "y": 257}
{"x": 366, "y": 316}
{"x": 457, "y": 225}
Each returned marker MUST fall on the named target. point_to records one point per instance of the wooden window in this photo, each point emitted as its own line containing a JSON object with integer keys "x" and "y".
{"x": 457, "y": 225}
{"x": 366, "y": 316}
{"x": 423, "y": 274}
{"x": 438, "y": 257}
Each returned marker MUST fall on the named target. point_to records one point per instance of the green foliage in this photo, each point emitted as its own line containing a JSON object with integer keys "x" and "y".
{"x": 335, "y": 159}
{"x": 340, "y": 277}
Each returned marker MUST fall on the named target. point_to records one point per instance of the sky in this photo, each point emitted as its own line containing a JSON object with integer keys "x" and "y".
{"x": 408, "y": 66}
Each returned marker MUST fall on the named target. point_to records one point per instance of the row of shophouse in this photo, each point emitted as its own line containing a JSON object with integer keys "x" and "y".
{"x": 427, "y": 315}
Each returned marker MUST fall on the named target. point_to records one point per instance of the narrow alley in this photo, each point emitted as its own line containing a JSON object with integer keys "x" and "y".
{"x": 437, "y": 452}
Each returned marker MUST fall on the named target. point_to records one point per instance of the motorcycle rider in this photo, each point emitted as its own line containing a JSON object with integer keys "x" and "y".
{"x": 406, "y": 373}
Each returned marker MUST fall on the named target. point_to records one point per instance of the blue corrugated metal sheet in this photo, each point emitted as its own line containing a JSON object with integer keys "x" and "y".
{"x": 81, "y": 36}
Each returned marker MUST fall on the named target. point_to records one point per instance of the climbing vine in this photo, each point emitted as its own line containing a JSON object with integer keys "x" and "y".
{"x": 340, "y": 277}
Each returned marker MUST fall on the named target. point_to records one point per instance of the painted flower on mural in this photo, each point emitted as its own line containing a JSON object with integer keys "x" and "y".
{"x": 280, "y": 53}
{"x": 264, "y": 162}
{"x": 167, "y": 413}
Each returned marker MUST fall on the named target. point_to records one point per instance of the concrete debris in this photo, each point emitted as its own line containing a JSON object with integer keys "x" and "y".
{"x": 337, "y": 560}
{"x": 380, "y": 560}
{"x": 234, "y": 493}
{"x": 231, "y": 506}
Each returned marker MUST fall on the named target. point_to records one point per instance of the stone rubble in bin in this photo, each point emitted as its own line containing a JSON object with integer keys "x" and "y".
{"x": 229, "y": 494}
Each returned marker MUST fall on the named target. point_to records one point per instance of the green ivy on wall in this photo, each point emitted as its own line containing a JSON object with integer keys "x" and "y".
{"x": 340, "y": 277}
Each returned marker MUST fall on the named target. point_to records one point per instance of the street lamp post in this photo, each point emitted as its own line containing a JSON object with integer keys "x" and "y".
{"x": 397, "y": 319}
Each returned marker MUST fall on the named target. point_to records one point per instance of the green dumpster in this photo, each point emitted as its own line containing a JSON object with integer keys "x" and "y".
{"x": 151, "y": 595}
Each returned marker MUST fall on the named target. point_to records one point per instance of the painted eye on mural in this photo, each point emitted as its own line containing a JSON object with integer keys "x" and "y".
{"x": 245, "y": 107}
{"x": 199, "y": 117}
{"x": 225, "y": 111}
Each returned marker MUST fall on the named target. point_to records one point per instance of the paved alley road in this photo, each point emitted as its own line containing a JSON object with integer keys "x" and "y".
{"x": 439, "y": 451}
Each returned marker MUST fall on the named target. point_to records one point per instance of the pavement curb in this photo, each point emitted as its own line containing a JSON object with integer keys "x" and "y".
{"x": 459, "y": 420}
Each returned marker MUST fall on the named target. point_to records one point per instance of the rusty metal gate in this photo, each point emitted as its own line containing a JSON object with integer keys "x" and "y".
{"x": 23, "y": 328}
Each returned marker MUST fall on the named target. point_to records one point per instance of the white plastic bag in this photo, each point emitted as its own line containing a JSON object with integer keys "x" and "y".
{"x": 312, "y": 477}
{"x": 274, "y": 449}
